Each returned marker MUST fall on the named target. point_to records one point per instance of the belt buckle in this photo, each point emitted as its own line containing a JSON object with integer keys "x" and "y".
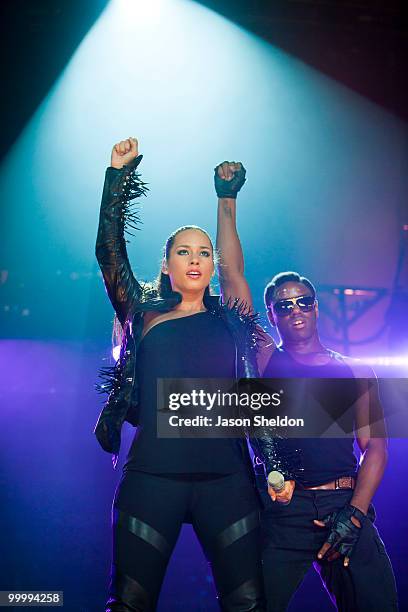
{"x": 345, "y": 482}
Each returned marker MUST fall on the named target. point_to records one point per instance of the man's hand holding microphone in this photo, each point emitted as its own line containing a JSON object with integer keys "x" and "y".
{"x": 279, "y": 489}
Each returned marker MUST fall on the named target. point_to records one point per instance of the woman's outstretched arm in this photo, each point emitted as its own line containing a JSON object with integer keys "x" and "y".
{"x": 122, "y": 186}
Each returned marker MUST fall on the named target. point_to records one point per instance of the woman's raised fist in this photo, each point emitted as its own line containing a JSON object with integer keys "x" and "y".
{"x": 124, "y": 152}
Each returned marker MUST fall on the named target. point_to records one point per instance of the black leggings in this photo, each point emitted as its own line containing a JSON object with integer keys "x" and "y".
{"x": 148, "y": 512}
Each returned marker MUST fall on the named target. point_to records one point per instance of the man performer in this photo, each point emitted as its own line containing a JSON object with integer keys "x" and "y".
{"x": 323, "y": 517}
{"x": 329, "y": 522}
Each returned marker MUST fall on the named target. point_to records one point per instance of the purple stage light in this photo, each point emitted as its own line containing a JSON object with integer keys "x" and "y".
{"x": 386, "y": 360}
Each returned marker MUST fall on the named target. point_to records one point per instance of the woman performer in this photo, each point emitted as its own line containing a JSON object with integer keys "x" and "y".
{"x": 177, "y": 330}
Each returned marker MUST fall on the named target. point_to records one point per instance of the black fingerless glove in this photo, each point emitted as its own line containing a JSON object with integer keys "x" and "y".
{"x": 229, "y": 189}
{"x": 344, "y": 533}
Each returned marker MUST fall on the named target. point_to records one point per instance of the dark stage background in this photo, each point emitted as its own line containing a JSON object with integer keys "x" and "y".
{"x": 312, "y": 96}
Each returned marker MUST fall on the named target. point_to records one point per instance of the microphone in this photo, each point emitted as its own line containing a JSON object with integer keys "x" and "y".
{"x": 276, "y": 481}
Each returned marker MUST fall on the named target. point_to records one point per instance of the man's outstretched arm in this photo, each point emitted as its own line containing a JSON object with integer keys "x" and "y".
{"x": 229, "y": 178}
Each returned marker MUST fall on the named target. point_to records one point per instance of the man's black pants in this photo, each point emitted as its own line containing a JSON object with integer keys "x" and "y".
{"x": 290, "y": 545}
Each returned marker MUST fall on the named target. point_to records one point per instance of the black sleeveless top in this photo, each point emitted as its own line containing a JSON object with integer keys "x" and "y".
{"x": 195, "y": 346}
{"x": 323, "y": 459}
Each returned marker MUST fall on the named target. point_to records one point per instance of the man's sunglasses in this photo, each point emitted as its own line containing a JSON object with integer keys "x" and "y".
{"x": 305, "y": 303}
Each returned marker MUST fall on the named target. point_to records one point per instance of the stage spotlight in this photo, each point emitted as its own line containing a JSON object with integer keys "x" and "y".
{"x": 141, "y": 10}
{"x": 153, "y": 69}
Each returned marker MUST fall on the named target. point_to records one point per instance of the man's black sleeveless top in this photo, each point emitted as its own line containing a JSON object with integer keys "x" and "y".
{"x": 196, "y": 346}
{"x": 323, "y": 459}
